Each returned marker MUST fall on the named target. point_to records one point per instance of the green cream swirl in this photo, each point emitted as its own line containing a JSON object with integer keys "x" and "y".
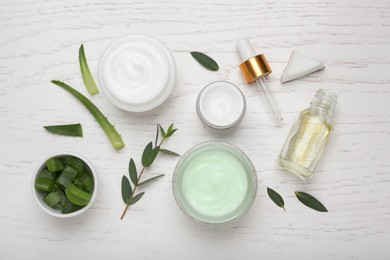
{"x": 215, "y": 182}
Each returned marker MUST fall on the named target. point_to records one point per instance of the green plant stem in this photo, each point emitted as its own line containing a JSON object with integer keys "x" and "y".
{"x": 135, "y": 186}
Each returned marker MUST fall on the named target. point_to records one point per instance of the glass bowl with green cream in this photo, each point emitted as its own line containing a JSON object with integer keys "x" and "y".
{"x": 214, "y": 182}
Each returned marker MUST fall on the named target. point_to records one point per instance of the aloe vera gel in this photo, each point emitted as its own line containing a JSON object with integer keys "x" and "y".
{"x": 214, "y": 182}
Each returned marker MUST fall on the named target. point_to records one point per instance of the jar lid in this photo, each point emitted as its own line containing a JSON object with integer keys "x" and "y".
{"x": 137, "y": 73}
{"x": 221, "y": 105}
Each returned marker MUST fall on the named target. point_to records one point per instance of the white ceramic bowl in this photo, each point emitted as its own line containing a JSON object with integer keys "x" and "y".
{"x": 38, "y": 196}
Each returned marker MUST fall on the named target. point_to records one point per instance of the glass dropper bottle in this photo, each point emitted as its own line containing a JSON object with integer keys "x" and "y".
{"x": 254, "y": 68}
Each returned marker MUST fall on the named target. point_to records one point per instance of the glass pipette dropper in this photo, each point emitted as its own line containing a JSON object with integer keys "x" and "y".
{"x": 254, "y": 68}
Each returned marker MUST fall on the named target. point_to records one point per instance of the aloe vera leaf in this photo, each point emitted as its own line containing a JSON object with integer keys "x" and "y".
{"x": 114, "y": 137}
{"x": 86, "y": 73}
{"x": 67, "y": 130}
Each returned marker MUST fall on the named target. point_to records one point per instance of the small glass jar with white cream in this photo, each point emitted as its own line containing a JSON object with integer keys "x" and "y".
{"x": 221, "y": 106}
{"x": 137, "y": 73}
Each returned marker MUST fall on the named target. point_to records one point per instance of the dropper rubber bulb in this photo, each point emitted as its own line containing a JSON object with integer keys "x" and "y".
{"x": 254, "y": 68}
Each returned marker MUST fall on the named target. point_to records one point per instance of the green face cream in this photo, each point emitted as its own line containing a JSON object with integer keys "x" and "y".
{"x": 214, "y": 182}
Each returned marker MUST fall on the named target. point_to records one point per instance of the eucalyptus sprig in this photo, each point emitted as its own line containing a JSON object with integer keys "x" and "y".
{"x": 149, "y": 154}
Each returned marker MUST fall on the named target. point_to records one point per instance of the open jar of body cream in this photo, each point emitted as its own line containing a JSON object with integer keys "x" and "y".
{"x": 214, "y": 182}
{"x": 221, "y": 106}
{"x": 137, "y": 73}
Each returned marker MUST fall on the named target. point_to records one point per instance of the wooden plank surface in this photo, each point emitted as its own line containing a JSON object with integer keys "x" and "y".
{"x": 39, "y": 42}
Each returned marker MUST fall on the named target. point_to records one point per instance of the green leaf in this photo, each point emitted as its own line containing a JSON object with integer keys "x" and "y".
{"x": 153, "y": 156}
{"x": 166, "y": 151}
{"x": 86, "y": 74}
{"x": 149, "y": 154}
{"x": 157, "y": 134}
{"x": 170, "y": 128}
{"x": 126, "y": 189}
{"x": 205, "y": 61}
{"x": 170, "y": 133}
{"x": 133, "y": 172}
{"x": 155, "y": 152}
{"x": 149, "y": 180}
{"x": 309, "y": 201}
{"x": 276, "y": 198}
{"x": 136, "y": 198}
{"x": 67, "y": 130}
{"x": 114, "y": 137}
{"x": 162, "y": 130}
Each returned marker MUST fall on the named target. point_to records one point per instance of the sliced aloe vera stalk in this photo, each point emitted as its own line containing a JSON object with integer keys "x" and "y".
{"x": 77, "y": 196}
{"x": 86, "y": 73}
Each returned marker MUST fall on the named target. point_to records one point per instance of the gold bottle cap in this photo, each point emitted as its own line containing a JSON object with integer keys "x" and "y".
{"x": 253, "y": 66}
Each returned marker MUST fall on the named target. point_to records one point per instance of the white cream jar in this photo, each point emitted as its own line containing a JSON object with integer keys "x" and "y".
{"x": 137, "y": 73}
{"x": 221, "y": 106}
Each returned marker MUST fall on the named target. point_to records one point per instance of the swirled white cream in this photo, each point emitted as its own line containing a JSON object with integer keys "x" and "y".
{"x": 137, "y": 73}
{"x": 221, "y": 105}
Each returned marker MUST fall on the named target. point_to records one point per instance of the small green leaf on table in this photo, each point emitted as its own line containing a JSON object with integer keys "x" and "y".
{"x": 205, "y": 61}
{"x": 276, "y": 198}
{"x": 309, "y": 201}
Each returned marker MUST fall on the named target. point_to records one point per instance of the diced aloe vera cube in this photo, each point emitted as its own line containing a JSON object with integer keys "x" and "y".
{"x": 52, "y": 199}
{"x": 79, "y": 184}
{"x": 76, "y": 163}
{"x": 62, "y": 198}
{"x": 86, "y": 179}
{"x": 55, "y": 165}
{"x": 45, "y": 181}
{"x": 69, "y": 207}
{"x": 56, "y": 187}
{"x": 66, "y": 177}
{"x": 77, "y": 196}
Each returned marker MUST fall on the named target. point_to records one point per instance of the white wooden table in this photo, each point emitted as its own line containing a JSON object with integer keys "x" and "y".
{"x": 39, "y": 42}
